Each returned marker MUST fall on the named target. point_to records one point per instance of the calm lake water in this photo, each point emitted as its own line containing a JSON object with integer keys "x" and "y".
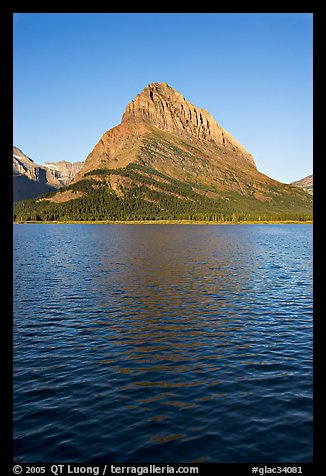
{"x": 162, "y": 343}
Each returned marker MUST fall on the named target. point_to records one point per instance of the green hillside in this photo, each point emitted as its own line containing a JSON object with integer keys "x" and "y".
{"x": 141, "y": 193}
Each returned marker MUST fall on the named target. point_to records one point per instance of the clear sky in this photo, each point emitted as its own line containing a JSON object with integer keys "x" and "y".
{"x": 74, "y": 75}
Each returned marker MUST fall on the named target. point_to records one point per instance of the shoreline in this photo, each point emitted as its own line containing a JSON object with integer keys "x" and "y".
{"x": 166, "y": 222}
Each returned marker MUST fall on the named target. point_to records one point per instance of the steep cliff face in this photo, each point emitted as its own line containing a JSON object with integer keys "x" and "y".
{"x": 161, "y": 129}
{"x": 26, "y": 166}
{"x": 167, "y": 109}
{"x": 30, "y": 179}
{"x": 63, "y": 171}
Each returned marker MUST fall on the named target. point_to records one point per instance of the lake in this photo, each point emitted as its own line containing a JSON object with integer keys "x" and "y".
{"x": 163, "y": 344}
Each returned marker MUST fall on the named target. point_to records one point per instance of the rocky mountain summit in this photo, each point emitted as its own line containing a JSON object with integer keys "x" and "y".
{"x": 31, "y": 180}
{"x": 165, "y": 108}
{"x": 169, "y": 159}
{"x": 305, "y": 184}
{"x": 160, "y": 125}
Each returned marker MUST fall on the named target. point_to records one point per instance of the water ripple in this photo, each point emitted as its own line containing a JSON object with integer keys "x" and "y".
{"x": 163, "y": 345}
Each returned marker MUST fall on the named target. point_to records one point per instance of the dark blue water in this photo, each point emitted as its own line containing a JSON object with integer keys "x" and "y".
{"x": 162, "y": 343}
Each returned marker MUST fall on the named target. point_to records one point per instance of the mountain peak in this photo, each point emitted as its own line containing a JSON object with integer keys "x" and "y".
{"x": 156, "y": 104}
{"x": 168, "y": 158}
{"x": 165, "y": 108}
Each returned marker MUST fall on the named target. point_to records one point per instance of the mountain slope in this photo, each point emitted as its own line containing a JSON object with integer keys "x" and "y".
{"x": 162, "y": 129}
{"x": 305, "y": 184}
{"x": 30, "y": 179}
{"x": 169, "y": 159}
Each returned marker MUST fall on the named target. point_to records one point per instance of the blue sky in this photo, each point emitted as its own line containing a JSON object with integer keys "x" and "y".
{"x": 74, "y": 75}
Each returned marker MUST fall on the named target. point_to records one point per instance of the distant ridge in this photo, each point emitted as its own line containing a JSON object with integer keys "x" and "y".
{"x": 305, "y": 184}
{"x": 64, "y": 171}
{"x": 30, "y": 180}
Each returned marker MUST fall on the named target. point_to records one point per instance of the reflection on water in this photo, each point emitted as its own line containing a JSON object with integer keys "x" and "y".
{"x": 163, "y": 343}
